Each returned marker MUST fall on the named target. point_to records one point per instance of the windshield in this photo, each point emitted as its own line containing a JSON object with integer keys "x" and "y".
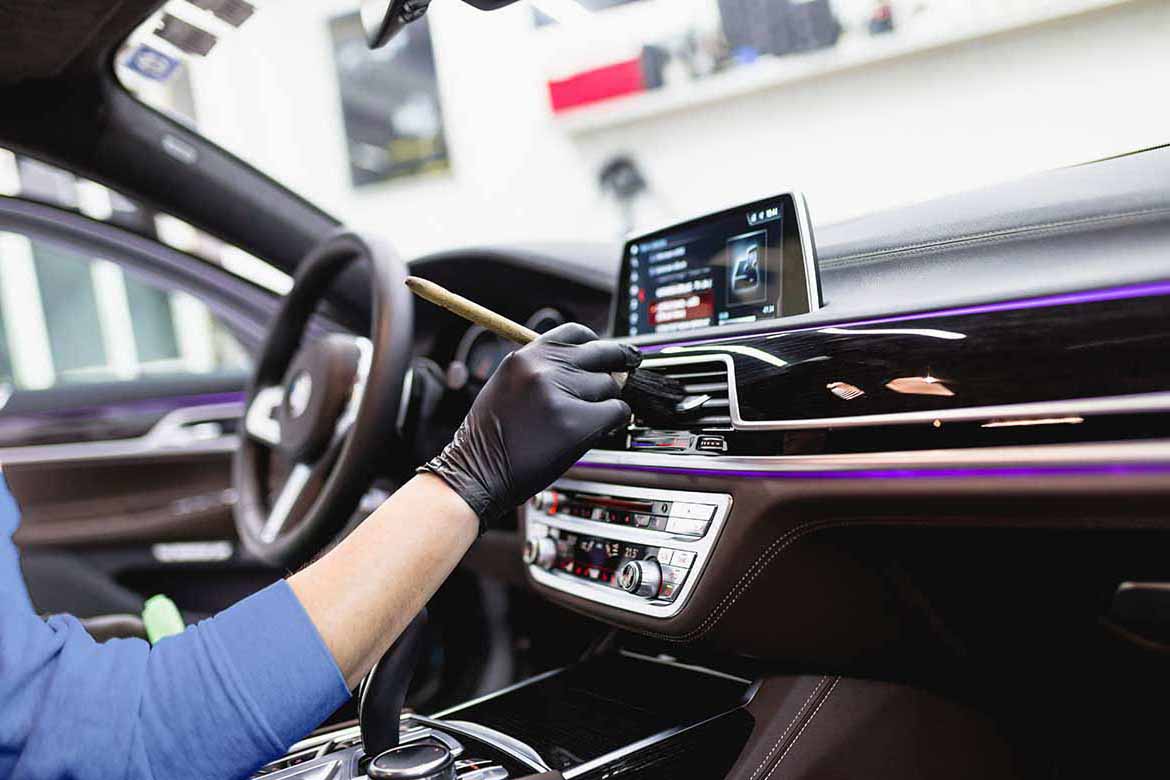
{"x": 582, "y": 119}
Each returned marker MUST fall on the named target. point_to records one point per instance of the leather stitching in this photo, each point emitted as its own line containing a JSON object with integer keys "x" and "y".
{"x": 788, "y": 728}
{"x": 993, "y": 235}
{"x": 743, "y": 584}
{"x": 781, "y": 543}
{"x": 796, "y": 739}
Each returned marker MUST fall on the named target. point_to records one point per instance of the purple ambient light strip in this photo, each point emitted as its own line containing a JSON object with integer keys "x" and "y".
{"x": 1146, "y": 290}
{"x": 142, "y": 406}
{"x": 1131, "y": 469}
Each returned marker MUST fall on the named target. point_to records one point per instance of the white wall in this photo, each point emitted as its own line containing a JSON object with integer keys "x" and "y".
{"x": 855, "y": 141}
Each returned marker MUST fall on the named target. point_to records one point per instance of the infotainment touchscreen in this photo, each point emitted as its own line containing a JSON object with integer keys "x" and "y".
{"x": 754, "y": 262}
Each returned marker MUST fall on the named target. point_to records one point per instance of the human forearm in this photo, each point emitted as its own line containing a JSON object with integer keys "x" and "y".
{"x": 542, "y": 409}
{"x": 364, "y": 592}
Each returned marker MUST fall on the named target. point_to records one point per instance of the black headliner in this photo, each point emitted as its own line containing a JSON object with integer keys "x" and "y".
{"x": 40, "y": 39}
{"x": 62, "y": 104}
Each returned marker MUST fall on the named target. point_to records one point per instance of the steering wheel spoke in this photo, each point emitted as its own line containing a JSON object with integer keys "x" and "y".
{"x": 290, "y": 495}
{"x": 260, "y": 421}
{"x": 349, "y": 415}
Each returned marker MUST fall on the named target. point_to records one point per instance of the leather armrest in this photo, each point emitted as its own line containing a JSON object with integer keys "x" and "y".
{"x": 106, "y": 627}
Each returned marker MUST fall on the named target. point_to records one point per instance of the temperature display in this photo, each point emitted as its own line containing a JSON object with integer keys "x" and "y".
{"x": 597, "y": 559}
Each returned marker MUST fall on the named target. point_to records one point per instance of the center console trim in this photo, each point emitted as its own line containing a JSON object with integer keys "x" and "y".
{"x": 494, "y": 694}
{"x": 416, "y": 727}
{"x": 702, "y": 547}
{"x": 654, "y": 739}
{"x": 510, "y": 746}
{"x": 668, "y": 661}
{"x": 634, "y": 747}
{"x": 1086, "y": 454}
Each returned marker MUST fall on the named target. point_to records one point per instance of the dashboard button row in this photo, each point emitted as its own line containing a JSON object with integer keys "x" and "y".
{"x": 687, "y": 519}
{"x": 681, "y": 511}
{"x": 595, "y": 540}
{"x": 680, "y": 558}
{"x": 677, "y": 525}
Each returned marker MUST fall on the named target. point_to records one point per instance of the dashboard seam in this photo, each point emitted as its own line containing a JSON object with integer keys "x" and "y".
{"x": 989, "y": 236}
{"x": 765, "y": 558}
{"x": 787, "y": 729}
{"x": 777, "y": 546}
{"x": 807, "y": 723}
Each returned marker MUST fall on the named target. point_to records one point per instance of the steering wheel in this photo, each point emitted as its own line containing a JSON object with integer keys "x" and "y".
{"x": 332, "y": 406}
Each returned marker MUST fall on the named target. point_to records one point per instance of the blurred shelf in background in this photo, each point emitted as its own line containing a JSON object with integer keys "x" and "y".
{"x": 854, "y": 49}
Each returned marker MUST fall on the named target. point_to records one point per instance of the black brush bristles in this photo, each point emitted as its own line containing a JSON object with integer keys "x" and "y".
{"x": 654, "y": 398}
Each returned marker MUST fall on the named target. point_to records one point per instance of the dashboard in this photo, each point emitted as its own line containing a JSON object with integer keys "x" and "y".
{"x": 541, "y": 287}
{"x": 974, "y": 364}
{"x": 480, "y": 352}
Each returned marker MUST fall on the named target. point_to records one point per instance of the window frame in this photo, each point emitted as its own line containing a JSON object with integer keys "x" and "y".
{"x": 242, "y": 306}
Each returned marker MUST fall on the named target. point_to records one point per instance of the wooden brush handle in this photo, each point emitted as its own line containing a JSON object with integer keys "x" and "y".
{"x": 470, "y": 310}
{"x": 480, "y": 315}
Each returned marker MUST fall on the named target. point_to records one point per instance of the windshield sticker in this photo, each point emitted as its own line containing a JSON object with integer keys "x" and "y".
{"x": 234, "y": 12}
{"x": 151, "y": 63}
{"x": 187, "y": 37}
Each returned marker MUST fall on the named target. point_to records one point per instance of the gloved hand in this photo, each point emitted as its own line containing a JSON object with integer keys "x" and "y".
{"x": 545, "y": 406}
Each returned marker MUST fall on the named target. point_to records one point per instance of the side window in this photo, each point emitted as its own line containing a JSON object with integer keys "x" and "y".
{"x": 66, "y": 318}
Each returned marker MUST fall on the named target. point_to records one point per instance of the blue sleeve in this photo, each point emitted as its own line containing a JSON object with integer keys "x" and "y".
{"x": 212, "y": 703}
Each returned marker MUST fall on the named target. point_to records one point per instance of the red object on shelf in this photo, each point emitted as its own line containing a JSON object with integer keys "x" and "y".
{"x": 593, "y": 86}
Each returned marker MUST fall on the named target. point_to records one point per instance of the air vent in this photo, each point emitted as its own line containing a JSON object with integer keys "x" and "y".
{"x": 707, "y": 405}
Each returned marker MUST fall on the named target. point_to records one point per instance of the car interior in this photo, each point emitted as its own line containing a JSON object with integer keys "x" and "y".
{"x": 911, "y": 519}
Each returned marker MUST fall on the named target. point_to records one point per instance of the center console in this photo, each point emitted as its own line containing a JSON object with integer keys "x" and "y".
{"x": 637, "y": 549}
{"x": 620, "y": 714}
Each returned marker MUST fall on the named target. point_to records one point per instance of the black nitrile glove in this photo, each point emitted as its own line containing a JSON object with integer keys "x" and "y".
{"x": 544, "y": 407}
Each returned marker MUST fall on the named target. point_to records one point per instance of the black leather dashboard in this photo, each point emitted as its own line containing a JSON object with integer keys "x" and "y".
{"x": 1101, "y": 224}
{"x": 820, "y": 536}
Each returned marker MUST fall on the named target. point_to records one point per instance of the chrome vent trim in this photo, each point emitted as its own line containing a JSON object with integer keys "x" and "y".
{"x": 1088, "y": 454}
{"x": 1120, "y": 404}
{"x": 707, "y": 382}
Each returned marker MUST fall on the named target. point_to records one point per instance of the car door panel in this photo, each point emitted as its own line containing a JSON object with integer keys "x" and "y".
{"x": 152, "y": 512}
{"x": 119, "y": 452}
{"x": 135, "y": 501}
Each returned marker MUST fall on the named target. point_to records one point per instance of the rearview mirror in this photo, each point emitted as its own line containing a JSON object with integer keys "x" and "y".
{"x": 489, "y": 5}
{"x": 382, "y": 19}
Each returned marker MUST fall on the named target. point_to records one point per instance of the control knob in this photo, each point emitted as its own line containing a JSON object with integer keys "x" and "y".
{"x": 546, "y": 500}
{"x": 540, "y": 552}
{"x": 642, "y": 578}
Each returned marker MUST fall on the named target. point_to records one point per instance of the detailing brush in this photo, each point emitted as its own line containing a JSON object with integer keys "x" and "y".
{"x": 654, "y": 398}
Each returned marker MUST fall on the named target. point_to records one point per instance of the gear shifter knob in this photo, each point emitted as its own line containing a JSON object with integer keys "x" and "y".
{"x": 413, "y": 762}
{"x": 383, "y": 692}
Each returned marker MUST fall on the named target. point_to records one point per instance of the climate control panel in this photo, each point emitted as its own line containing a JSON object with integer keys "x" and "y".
{"x": 637, "y": 549}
